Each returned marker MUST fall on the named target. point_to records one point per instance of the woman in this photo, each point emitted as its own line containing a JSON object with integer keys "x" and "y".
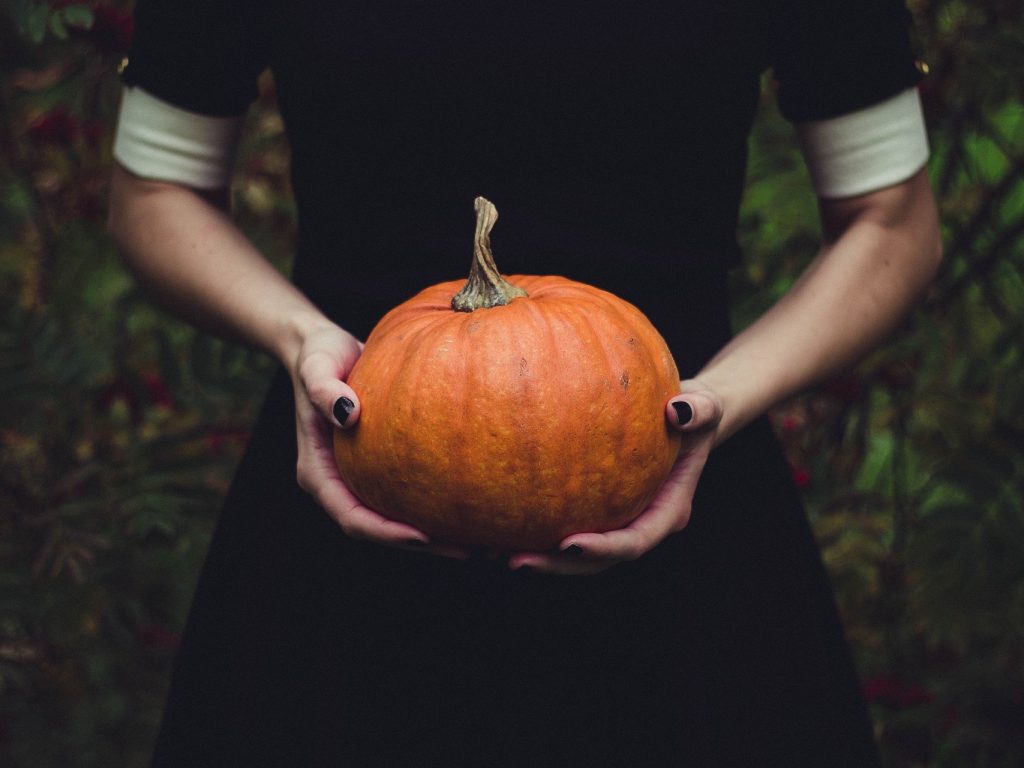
{"x": 612, "y": 137}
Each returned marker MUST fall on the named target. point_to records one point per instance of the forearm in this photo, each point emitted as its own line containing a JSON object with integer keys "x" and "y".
{"x": 195, "y": 261}
{"x": 880, "y": 253}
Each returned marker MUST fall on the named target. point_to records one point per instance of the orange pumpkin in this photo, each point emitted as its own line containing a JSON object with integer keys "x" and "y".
{"x": 510, "y": 414}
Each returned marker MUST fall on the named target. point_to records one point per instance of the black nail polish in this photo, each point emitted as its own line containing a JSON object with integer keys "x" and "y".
{"x": 573, "y": 550}
{"x": 683, "y": 412}
{"x": 343, "y": 408}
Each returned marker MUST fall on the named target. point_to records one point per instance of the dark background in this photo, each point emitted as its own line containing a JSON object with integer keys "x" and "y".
{"x": 120, "y": 427}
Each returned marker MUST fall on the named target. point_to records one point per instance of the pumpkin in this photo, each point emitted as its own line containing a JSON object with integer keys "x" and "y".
{"x": 508, "y": 414}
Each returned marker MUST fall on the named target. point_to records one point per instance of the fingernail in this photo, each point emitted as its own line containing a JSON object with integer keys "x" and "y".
{"x": 684, "y": 413}
{"x": 343, "y": 408}
{"x": 574, "y": 550}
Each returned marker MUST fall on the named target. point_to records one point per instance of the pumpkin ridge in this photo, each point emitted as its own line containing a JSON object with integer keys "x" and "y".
{"x": 607, "y": 433}
{"x": 635, "y": 433}
{"x": 656, "y": 379}
{"x": 569, "y": 425}
{"x": 419, "y": 446}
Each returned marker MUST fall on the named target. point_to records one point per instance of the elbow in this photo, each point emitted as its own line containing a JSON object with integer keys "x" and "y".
{"x": 919, "y": 223}
{"x": 932, "y": 254}
{"x": 938, "y": 251}
{"x": 129, "y": 222}
{"x": 118, "y": 204}
{"x": 926, "y": 254}
{"x": 115, "y": 218}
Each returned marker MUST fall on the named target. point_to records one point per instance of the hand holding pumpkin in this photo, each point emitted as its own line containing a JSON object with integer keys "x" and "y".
{"x": 697, "y": 413}
{"x": 324, "y": 401}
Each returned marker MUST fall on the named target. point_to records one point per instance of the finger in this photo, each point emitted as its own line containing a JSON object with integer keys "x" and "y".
{"x": 361, "y": 522}
{"x": 691, "y": 412}
{"x": 624, "y": 544}
{"x": 444, "y": 550}
{"x": 580, "y": 554}
{"x": 583, "y": 553}
{"x": 559, "y": 564}
{"x": 589, "y": 553}
{"x": 334, "y": 399}
{"x": 667, "y": 514}
{"x": 345, "y": 409}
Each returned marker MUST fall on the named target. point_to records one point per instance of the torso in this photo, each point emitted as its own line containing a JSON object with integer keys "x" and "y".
{"x": 603, "y": 132}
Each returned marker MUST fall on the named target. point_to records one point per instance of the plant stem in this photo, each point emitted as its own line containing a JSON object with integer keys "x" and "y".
{"x": 485, "y": 287}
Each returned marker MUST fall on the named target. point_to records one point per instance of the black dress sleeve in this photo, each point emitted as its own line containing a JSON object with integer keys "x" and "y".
{"x": 831, "y": 58}
{"x": 201, "y": 55}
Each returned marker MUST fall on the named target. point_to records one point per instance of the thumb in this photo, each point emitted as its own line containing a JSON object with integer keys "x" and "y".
{"x": 345, "y": 409}
{"x": 692, "y": 411}
{"x": 334, "y": 399}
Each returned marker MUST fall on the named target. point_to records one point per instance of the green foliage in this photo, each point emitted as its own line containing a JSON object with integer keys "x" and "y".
{"x": 914, "y": 462}
{"x": 120, "y": 427}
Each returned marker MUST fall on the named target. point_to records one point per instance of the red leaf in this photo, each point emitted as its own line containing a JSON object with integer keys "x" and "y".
{"x": 58, "y": 126}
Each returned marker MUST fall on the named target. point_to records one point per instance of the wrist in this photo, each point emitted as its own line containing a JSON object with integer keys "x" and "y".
{"x": 740, "y": 404}
{"x": 296, "y": 328}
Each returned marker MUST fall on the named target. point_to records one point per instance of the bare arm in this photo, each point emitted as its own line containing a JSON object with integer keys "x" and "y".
{"x": 881, "y": 251}
{"x": 183, "y": 248}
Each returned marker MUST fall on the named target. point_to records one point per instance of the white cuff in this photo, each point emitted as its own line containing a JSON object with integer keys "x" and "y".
{"x": 157, "y": 140}
{"x": 866, "y": 150}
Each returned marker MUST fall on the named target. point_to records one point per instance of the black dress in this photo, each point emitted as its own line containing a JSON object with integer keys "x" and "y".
{"x": 612, "y": 138}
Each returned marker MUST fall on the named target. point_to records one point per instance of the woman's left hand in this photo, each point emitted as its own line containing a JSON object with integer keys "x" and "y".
{"x": 669, "y": 512}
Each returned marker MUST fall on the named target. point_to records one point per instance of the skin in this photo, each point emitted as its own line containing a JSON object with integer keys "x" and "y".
{"x": 880, "y": 251}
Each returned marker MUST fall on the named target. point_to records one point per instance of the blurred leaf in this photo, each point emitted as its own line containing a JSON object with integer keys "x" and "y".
{"x": 876, "y": 467}
{"x": 34, "y": 21}
{"x": 80, "y": 16}
{"x": 988, "y": 163}
{"x": 57, "y": 26}
{"x": 169, "y": 365}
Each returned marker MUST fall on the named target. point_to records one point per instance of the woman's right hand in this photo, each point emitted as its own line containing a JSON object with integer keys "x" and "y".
{"x": 221, "y": 282}
{"x": 324, "y": 401}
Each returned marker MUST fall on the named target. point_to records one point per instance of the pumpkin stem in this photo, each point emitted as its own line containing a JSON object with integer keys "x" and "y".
{"x": 485, "y": 286}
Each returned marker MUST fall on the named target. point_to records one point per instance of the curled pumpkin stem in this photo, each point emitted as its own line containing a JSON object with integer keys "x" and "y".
{"x": 485, "y": 286}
